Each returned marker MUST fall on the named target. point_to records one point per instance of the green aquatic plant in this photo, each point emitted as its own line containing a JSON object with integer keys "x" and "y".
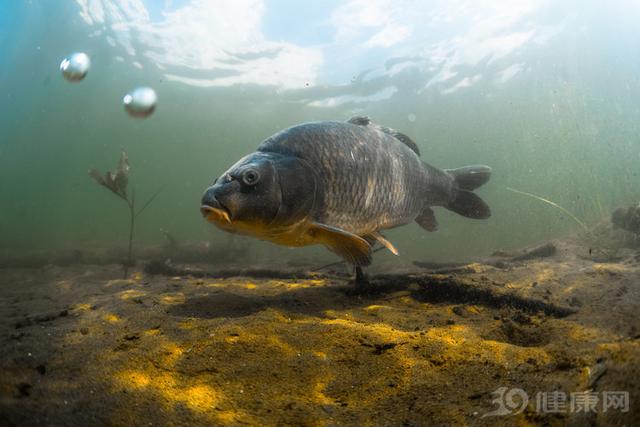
{"x": 117, "y": 182}
{"x": 554, "y": 204}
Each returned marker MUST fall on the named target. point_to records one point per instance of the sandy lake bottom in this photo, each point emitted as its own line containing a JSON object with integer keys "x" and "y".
{"x": 80, "y": 346}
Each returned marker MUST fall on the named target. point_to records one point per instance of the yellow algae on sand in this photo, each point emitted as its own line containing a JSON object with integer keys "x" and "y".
{"x": 134, "y": 378}
{"x": 152, "y": 332}
{"x": 320, "y": 355}
{"x": 188, "y": 324}
{"x": 171, "y": 353}
{"x": 171, "y": 299}
{"x": 375, "y": 307}
{"x": 200, "y": 397}
{"x": 608, "y": 268}
{"x": 111, "y": 318}
{"x": 318, "y": 392}
{"x": 232, "y": 339}
{"x": 131, "y": 293}
{"x": 81, "y": 307}
{"x": 297, "y": 285}
{"x": 171, "y": 387}
{"x": 215, "y": 285}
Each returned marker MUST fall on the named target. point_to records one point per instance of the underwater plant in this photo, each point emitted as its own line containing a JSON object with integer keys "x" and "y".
{"x": 117, "y": 182}
{"x": 551, "y": 203}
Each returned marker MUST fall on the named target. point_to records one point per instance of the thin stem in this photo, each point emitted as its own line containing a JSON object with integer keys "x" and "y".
{"x": 132, "y": 217}
{"x": 149, "y": 201}
{"x": 542, "y": 199}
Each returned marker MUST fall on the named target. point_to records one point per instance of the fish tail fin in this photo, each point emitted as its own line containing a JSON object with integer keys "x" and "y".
{"x": 470, "y": 177}
{"x": 467, "y": 203}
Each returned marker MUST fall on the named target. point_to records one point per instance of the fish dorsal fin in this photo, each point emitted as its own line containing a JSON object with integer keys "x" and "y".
{"x": 402, "y": 138}
{"x": 376, "y": 236}
{"x": 360, "y": 120}
{"x": 353, "y": 249}
{"x": 366, "y": 121}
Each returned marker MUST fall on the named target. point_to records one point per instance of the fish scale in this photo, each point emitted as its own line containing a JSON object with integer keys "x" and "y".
{"x": 347, "y": 158}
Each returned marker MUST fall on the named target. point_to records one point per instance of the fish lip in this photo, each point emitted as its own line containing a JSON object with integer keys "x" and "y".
{"x": 212, "y": 213}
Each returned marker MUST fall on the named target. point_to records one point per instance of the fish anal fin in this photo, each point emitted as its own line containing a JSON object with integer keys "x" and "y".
{"x": 427, "y": 220}
{"x": 376, "y": 236}
{"x": 353, "y": 249}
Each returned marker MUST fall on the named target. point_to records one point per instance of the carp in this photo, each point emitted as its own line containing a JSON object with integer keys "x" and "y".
{"x": 338, "y": 184}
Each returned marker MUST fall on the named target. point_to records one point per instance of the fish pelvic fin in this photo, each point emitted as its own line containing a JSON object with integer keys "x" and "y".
{"x": 377, "y": 237}
{"x": 427, "y": 220}
{"x": 353, "y": 249}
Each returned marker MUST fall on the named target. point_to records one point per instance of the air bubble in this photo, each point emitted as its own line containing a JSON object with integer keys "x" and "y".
{"x": 140, "y": 102}
{"x": 75, "y": 67}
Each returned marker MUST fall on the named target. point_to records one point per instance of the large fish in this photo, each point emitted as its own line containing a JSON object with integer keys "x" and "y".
{"x": 338, "y": 184}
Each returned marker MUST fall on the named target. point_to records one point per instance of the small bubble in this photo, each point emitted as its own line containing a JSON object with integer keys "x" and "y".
{"x": 140, "y": 102}
{"x": 75, "y": 67}
{"x": 411, "y": 117}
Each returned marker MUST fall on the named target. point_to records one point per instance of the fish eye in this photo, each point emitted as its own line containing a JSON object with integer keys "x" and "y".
{"x": 250, "y": 177}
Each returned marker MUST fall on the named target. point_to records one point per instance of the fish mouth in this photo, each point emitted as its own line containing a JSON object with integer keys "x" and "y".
{"x": 216, "y": 213}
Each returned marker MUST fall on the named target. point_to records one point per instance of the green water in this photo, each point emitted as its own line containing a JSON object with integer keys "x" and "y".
{"x": 546, "y": 93}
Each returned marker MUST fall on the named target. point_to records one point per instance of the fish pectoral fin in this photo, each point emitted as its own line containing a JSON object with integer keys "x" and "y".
{"x": 352, "y": 248}
{"x": 427, "y": 220}
{"x": 376, "y": 236}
